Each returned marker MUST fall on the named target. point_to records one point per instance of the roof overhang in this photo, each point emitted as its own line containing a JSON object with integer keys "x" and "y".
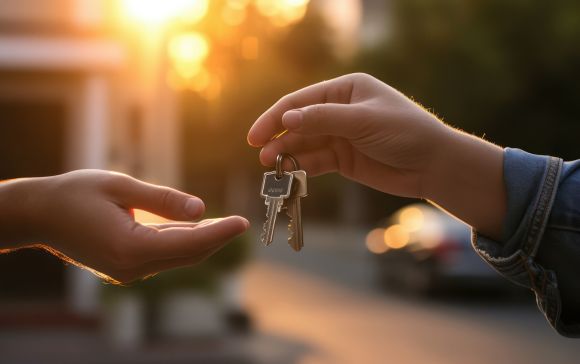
{"x": 60, "y": 54}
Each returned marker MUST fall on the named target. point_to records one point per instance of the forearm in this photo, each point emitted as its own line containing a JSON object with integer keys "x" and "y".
{"x": 16, "y": 216}
{"x": 466, "y": 179}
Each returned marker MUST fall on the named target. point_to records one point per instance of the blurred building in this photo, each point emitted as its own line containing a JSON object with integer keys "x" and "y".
{"x": 77, "y": 90}
{"x": 94, "y": 84}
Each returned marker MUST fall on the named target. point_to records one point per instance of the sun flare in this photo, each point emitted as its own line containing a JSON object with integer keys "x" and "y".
{"x": 162, "y": 11}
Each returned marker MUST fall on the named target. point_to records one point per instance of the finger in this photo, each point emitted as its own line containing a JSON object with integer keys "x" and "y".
{"x": 181, "y": 242}
{"x": 269, "y": 124}
{"x": 169, "y": 225}
{"x": 160, "y": 200}
{"x": 358, "y": 167}
{"x": 325, "y": 119}
{"x": 326, "y": 156}
{"x": 291, "y": 143}
{"x": 190, "y": 225}
{"x": 318, "y": 162}
{"x": 336, "y": 157}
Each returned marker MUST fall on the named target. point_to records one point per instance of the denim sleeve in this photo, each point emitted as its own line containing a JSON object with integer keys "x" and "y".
{"x": 540, "y": 246}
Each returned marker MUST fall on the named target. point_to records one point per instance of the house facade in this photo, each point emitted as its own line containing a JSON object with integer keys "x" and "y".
{"x": 79, "y": 88}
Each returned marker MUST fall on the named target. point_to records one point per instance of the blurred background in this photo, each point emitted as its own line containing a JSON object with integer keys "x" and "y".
{"x": 166, "y": 91}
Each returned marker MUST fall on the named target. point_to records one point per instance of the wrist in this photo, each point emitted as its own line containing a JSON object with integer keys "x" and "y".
{"x": 19, "y": 215}
{"x": 466, "y": 179}
{"x": 438, "y": 171}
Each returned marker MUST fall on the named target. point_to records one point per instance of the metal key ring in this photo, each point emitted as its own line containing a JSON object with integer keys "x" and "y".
{"x": 280, "y": 160}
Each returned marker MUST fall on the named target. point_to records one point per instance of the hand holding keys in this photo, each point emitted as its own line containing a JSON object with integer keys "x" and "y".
{"x": 283, "y": 190}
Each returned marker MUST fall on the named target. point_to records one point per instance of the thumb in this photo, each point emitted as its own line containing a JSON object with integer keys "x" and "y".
{"x": 323, "y": 119}
{"x": 163, "y": 201}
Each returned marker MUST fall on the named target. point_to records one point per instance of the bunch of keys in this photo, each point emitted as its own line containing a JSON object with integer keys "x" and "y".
{"x": 283, "y": 190}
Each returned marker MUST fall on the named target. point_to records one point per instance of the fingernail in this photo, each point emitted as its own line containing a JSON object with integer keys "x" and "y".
{"x": 292, "y": 119}
{"x": 194, "y": 207}
{"x": 247, "y": 223}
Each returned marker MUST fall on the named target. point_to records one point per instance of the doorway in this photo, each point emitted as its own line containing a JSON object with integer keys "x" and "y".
{"x": 32, "y": 143}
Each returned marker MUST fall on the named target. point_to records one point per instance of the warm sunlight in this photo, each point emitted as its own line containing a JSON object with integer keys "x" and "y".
{"x": 188, "y": 52}
{"x": 283, "y": 12}
{"x": 188, "y": 48}
{"x": 169, "y": 25}
{"x": 250, "y": 47}
{"x": 159, "y": 12}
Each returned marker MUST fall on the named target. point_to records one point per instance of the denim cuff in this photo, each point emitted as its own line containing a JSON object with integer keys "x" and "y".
{"x": 531, "y": 183}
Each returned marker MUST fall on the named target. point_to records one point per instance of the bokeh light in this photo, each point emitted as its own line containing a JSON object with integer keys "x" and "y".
{"x": 375, "y": 241}
{"x": 412, "y": 219}
{"x": 187, "y": 52}
{"x": 178, "y": 22}
{"x": 283, "y": 12}
{"x": 154, "y": 12}
{"x": 189, "y": 48}
{"x": 396, "y": 236}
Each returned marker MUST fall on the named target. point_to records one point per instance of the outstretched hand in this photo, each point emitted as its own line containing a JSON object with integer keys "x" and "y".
{"x": 86, "y": 217}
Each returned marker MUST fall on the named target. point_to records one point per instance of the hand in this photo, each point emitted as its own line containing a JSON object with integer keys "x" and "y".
{"x": 357, "y": 126}
{"x": 369, "y": 132}
{"x": 86, "y": 217}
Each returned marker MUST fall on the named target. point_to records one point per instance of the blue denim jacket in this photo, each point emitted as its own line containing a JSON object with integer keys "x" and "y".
{"x": 540, "y": 248}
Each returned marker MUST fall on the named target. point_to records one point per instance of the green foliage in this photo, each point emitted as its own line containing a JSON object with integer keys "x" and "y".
{"x": 506, "y": 69}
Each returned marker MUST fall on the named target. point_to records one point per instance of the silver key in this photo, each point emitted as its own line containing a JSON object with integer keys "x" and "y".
{"x": 294, "y": 210}
{"x": 275, "y": 191}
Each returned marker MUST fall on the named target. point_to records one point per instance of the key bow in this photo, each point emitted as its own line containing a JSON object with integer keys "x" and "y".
{"x": 280, "y": 160}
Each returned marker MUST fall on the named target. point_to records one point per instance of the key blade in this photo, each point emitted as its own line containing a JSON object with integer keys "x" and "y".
{"x": 298, "y": 233}
{"x": 295, "y": 238}
{"x": 291, "y": 228}
{"x": 274, "y": 206}
{"x": 264, "y": 237}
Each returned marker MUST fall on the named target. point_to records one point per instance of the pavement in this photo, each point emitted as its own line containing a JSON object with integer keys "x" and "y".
{"x": 323, "y": 303}
{"x": 322, "y": 306}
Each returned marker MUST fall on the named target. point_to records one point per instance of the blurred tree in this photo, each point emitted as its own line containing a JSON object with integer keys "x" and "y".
{"x": 287, "y": 58}
{"x": 504, "y": 69}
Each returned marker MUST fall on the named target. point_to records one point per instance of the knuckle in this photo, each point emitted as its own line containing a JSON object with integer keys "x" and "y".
{"x": 285, "y": 102}
{"x": 167, "y": 197}
{"x": 114, "y": 182}
{"x": 315, "y": 114}
{"x": 173, "y": 201}
{"x": 361, "y": 79}
{"x": 361, "y": 76}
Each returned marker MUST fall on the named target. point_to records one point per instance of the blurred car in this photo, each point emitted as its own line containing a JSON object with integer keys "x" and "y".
{"x": 422, "y": 250}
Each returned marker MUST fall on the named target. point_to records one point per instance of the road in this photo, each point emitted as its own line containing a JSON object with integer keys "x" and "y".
{"x": 320, "y": 306}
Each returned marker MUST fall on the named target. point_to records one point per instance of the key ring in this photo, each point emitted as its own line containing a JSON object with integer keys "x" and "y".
{"x": 280, "y": 160}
